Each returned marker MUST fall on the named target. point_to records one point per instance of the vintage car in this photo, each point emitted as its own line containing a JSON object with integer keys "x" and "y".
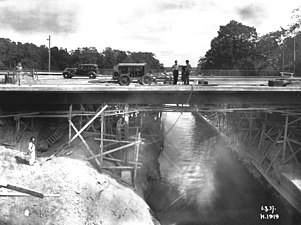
{"x": 125, "y": 73}
{"x": 88, "y": 70}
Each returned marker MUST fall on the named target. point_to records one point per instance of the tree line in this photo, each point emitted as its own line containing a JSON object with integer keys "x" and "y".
{"x": 34, "y": 57}
{"x": 236, "y": 47}
{"x": 239, "y": 47}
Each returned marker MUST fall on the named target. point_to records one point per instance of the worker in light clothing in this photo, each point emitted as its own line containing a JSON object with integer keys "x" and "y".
{"x": 32, "y": 151}
{"x": 19, "y": 69}
{"x": 175, "y": 72}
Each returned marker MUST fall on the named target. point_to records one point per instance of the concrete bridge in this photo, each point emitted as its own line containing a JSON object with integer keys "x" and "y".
{"x": 157, "y": 94}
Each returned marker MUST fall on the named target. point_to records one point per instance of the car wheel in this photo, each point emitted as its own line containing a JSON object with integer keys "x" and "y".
{"x": 66, "y": 75}
{"x": 92, "y": 75}
{"x": 115, "y": 75}
{"x": 146, "y": 80}
{"x": 124, "y": 80}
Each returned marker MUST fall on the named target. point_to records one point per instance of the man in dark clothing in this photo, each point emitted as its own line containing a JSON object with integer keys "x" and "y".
{"x": 175, "y": 72}
{"x": 187, "y": 72}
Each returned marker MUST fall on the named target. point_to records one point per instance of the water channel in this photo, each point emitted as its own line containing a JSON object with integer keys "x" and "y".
{"x": 203, "y": 183}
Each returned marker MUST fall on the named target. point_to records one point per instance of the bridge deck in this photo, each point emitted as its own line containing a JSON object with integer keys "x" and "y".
{"x": 76, "y": 91}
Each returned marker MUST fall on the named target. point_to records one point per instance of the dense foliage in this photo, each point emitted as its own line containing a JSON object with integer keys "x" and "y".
{"x": 233, "y": 48}
{"x": 34, "y": 57}
{"x": 238, "y": 47}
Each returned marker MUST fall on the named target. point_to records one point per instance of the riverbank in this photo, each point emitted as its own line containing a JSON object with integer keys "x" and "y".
{"x": 283, "y": 181}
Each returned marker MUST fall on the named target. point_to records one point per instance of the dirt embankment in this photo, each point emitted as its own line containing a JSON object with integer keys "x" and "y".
{"x": 85, "y": 195}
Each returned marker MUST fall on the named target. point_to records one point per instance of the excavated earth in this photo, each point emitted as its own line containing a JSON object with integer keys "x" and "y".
{"x": 83, "y": 195}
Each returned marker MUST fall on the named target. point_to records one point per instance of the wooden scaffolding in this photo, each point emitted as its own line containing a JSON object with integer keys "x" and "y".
{"x": 98, "y": 121}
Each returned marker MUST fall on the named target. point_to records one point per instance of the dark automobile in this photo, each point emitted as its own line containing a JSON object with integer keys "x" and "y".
{"x": 89, "y": 70}
{"x": 125, "y": 73}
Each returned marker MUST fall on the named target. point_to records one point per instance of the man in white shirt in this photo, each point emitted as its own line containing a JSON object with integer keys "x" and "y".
{"x": 32, "y": 151}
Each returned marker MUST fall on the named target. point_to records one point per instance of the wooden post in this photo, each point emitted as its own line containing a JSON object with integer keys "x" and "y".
{"x": 250, "y": 127}
{"x": 126, "y": 129}
{"x": 81, "y": 117}
{"x": 17, "y": 118}
{"x": 285, "y": 137}
{"x": 101, "y": 137}
{"x": 137, "y": 146}
{"x": 261, "y": 141}
{"x": 70, "y": 121}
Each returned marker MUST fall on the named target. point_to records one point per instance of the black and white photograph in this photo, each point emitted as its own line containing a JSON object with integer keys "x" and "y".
{"x": 150, "y": 112}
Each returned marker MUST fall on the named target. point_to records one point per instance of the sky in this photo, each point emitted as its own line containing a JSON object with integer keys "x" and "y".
{"x": 171, "y": 29}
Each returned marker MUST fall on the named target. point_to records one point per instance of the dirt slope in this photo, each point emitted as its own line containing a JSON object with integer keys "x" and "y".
{"x": 86, "y": 197}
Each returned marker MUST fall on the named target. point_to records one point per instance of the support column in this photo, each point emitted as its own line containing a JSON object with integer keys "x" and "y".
{"x": 102, "y": 120}
{"x": 262, "y": 136}
{"x": 250, "y": 127}
{"x": 17, "y": 118}
{"x": 70, "y": 127}
{"x": 137, "y": 146}
{"x": 285, "y": 138}
{"x": 126, "y": 129}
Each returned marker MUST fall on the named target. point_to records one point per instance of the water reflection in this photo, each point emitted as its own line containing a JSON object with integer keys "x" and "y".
{"x": 202, "y": 183}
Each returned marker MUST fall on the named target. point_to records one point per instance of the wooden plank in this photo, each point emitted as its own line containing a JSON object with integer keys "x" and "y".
{"x": 118, "y": 167}
{"x": 23, "y": 190}
{"x": 111, "y": 140}
{"x": 10, "y": 194}
{"x": 119, "y": 160}
{"x": 19, "y": 114}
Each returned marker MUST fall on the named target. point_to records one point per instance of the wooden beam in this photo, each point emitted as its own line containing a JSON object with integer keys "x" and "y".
{"x": 23, "y": 190}
{"x": 292, "y": 150}
{"x": 10, "y": 194}
{"x": 119, "y": 160}
{"x": 101, "y": 137}
{"x": 69, "y": 120}
{"x": 296, "y": 152}
{"x": 110, "y": 140}
{"x": 87, "y": 124}
{"x": 137, "y": 146}
{"x": 19, "y": 114}
{"x": 285, "y": 138}
{"x": 118, "y": 167}
{"x": 110, "y": 151}
{"x": 85, "y": 143}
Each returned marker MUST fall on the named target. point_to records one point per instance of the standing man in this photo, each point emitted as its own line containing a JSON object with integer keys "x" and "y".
{"x": 120, "y": 129}
{"x": 32, "y": 151}
{"x": 187, "y": 72}
{"x": 19, "y": 69}
{"x": 175, "y": 72}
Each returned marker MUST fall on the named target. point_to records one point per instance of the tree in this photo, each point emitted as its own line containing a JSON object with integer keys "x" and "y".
{"x": 33, "y": 57}
{"x": 144, "y": 57}
{"x": 233, "y": 48}
{"x": 109, "y": 58}
{"x": 269, "y": 50}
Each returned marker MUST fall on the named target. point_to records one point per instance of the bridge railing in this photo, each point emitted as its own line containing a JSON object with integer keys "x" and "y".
{"x": 238, "y": 73}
